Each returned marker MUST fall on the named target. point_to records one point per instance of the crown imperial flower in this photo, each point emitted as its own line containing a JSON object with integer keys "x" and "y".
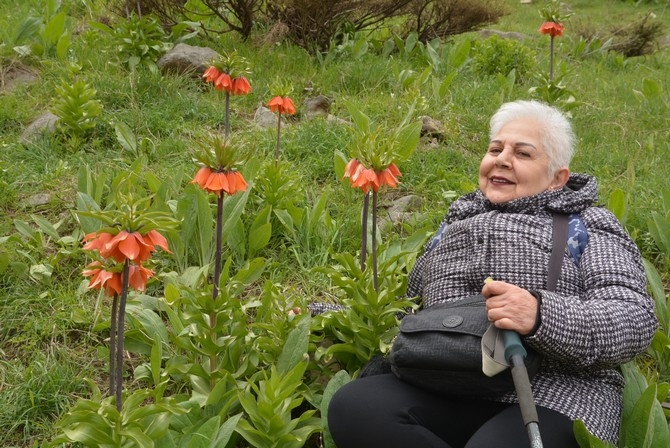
{"x": 283, "y": 105}
{"x": 553, "y": 29}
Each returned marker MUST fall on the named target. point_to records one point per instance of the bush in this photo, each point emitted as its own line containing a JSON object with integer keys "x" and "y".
{"x": 500, "y": 56}
{"x": 442, "y": 18}
{"x": 638, "y": 38}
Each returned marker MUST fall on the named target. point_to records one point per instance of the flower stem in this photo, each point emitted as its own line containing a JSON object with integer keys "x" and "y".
{"x": 219, "y": 244}
{"x": 227, "y": 122}
{"x": 112, "y": 345}
{"x": 119, "y": 336}
{"x": 364, "y": 231}
{"x": 374, "y": 240}
{"x": 551, "y": 59}
{"x": 278, "y": 136}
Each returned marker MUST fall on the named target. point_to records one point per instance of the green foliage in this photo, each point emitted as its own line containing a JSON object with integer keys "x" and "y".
{"x": 138, "y": 40}
{"x": 95, "y": 422}
{"x": 39, "y": 248}
{"x": 47, "y": 36}
{"x": 77, "y": 108}
{"x": 367, "y": 324}
{"x": 500, "y": 56}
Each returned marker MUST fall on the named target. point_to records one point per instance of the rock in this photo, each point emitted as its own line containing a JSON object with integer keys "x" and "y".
{"x": 431, "y": 128}
{"x": 44, "y": 123}
{"x": 38, "y": 199}
{"x": 187, "y": 59}
{"x": 401, "y": 210}
{"x": 503, "y": 34}
{"x": 13, "y": 77}
{"x": 265, "y": 118}
{"x": 317, "y": 106}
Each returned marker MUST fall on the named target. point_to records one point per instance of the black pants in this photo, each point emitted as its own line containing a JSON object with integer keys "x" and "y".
{"x": 383, "y": 412}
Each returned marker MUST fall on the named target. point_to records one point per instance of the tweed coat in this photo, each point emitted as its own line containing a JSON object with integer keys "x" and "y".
{"x": 599, "y": 316}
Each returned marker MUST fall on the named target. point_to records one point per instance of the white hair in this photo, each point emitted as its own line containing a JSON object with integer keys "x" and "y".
{"x": 556, "y": 134}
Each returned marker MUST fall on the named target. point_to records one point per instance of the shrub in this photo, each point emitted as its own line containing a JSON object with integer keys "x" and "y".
{"x": 314, "y": 24}
{"x": 638, "y": 38}
{"x": 500, "y": 56}
{"x": 442, "y": 18}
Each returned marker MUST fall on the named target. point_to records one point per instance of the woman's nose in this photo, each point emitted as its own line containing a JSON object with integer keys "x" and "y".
{"x": 502, "y": 160}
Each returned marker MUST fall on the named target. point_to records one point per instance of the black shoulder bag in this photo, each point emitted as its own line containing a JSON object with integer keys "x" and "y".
{"x": 439, "y": 348}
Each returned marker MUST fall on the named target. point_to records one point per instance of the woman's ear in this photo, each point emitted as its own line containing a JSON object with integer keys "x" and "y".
{"x": 560, "y": 178}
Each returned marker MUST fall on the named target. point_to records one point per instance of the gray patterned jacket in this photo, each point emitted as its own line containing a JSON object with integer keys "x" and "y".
{"x": 599, "y": 317}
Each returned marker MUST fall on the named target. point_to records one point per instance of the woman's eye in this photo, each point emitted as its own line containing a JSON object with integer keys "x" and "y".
{"x": 494, "y": 150}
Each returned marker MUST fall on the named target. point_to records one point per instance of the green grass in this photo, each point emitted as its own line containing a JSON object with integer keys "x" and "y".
{"x": 50, "y": 331}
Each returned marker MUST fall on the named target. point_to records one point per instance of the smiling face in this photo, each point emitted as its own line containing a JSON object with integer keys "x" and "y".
{"x": 516, "y": 164}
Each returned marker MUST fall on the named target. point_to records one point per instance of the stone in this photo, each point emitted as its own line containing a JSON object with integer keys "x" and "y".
{"x": 187, "y": 59}
{"x": 44, "y": 123}
{"x": 503, "y": 34}
{"x": 430, "y": 127}
{"x": 265, "y": 118}
{"x": 15, "y": 76}
{"x": 38, "y": 199}
{"x": 402, "y": 209}
{"x": 317, "y": 106}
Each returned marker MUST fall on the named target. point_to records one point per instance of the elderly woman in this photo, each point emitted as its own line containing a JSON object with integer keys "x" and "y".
{"x": 598, "y": 317}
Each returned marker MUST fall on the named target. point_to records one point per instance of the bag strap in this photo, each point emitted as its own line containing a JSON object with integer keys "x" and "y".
{"x": 559, "y": 236}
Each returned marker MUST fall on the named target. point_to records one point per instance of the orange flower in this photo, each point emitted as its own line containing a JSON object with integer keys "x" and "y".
{"x": 126, "y": 245}
{"x": 201, "y": 176}
{"x": 229, "y": 182}
{"x": 389, "y": 176}
{"x": 236, "y": 182}
{"x": 154, "y": 238}
{"x": 283, "y": 105}
{"x": 97, "y": 241}
{"x": 240, "y": 86}
{"x": 367, "y": 178}
{"x": 211, "y": 74}
{"x": 101, "y": 278}
{"x": 223, "y": 82}
{"x": 138, "y": 276}
{"x": 552, "y": 28}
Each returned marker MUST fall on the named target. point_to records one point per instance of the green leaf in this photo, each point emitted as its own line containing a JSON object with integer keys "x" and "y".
{"x": 233, "y": 206}
{"x": 295, "y": 347}
{"x": 616, "y": 203}
{"x": 46, "y": 227}
{"x": 86, "y": 203}
{"x": 27, "y": 29}
{"x": 587, "y": 440}
{"x": 647, "y": 427}
{"x": 259, "y": 238}
{"x": 338, "y": 380}
{"x": 126, "y": 137}
{"x": 63, "y": 46}
{"x": 205, "y": 434}
{"x": 651, "y": 89}
{"x": 657, "y": 289}
{"x": 226, "y": 432}
{"x": 54, "y": 29}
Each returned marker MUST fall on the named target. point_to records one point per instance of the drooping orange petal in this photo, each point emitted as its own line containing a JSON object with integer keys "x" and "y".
{"x": 275, "y": 104}
{"x": 387, "y": 178}
{"x": 154, "y": 238}
{"x": 97, "y": 241}
{"x": 201, "y": 176}
{"x": 241, "y": 86}
{"x": 223, "y": 82}
{"x": 393, "y": 169}
{"x": 236, "y": 182}
{"x": 288, "y": 107}
{"x": 350, "y": 169}
{"x": 211, "y": 74}
{"x": 217, "y": 182}
{"x": 138, "y": 276}
{"x": 114, "y": 285}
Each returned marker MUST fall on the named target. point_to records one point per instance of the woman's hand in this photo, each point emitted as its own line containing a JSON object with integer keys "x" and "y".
{"x": 510, "y": 307}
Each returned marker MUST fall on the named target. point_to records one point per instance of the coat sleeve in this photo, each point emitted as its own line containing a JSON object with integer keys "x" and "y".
{"x": 612, "y": 319}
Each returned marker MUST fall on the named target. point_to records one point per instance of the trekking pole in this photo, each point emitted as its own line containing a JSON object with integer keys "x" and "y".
{"x": 515, "y": 354}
